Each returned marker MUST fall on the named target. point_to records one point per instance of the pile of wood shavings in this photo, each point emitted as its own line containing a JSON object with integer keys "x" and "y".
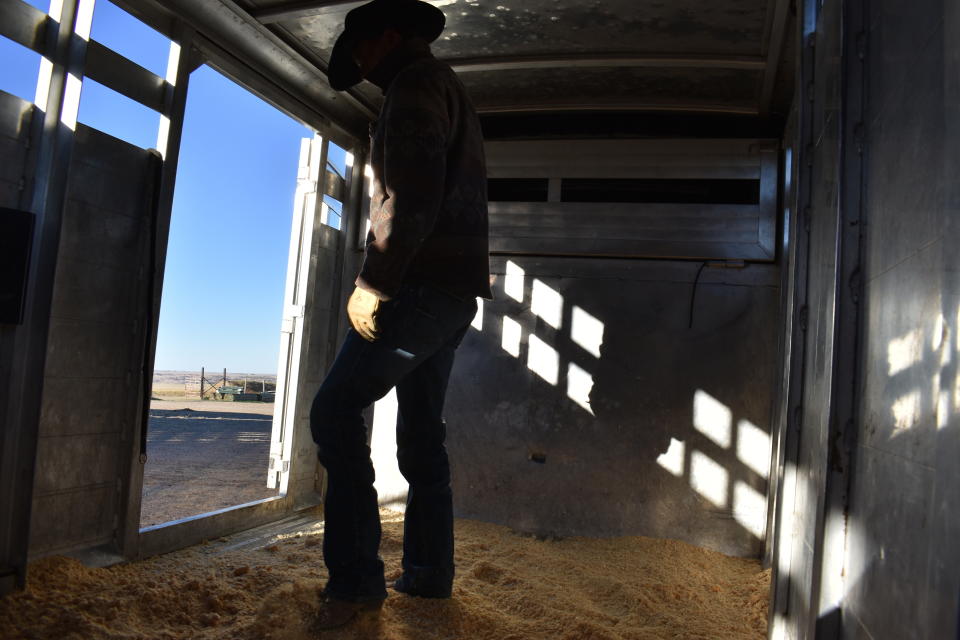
{"x": 508, "y": 587}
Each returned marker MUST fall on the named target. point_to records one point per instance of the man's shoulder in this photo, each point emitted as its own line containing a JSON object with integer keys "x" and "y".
{"x": 426, "y": 70}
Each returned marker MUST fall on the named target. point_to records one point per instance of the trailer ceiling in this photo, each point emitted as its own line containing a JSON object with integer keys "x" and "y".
{"x": 726, "y": 59}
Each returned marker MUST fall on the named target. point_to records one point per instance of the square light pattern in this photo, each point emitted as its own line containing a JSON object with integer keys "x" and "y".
{"x": 709, "y": 478}
{"x": 586, "y": 331}
{"x": 513, "y": 282}
{"x": 712, "y": 418}
{"x": 672, "y": 458}
{"x": 543, "y": 360}
{"x": 753, "y": 447}
{"x": 749, "y": 509}
{"x": 579, "y": 386}
{"x": 511, "y": 336}
{"x": 546, "y": 303}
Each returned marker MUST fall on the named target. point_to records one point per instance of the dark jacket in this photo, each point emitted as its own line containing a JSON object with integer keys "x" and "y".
{"x": 428, "y": 211}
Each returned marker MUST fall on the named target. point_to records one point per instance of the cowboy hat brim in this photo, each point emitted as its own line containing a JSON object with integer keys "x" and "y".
{"x": 369, "y": 20}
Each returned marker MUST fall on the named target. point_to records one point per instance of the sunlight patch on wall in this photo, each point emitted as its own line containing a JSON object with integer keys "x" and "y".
{"x": 173, "y": 64}
{"x": 390, "y": 484}
{"x": 672, "y": 458}
{"x": 938, "y": 336}
{"x": 789, "y": 529}
{"x": 56, "y": 10}
{"x": 43, "y": 84}
{"x": 84, "y": 19}
{"x": 510, "y": 338}
{"x": 904, "y": 352}
{"x": 957, "y": 334}
{"x": 906, "y": 411}
{"x": 708, "y": 478}
{"x": 749, "y": 508}
{"x": 586, "y": 331}
{"x": 543, "y": 360}
{"x": 753, "y": 447}
{"x": 956, "y": 392}
{"x": 712, "y": 418}
{"x": 579, "y": 386}
{"x": 778, "y": 628}
{"x": 513, "y": 282}
{"x": 943, "y": 409}
{"x": 477, "y": 322}
{"x": 163, "y": 135}
{"x": 71, "y": 102}
{"x": 546, "y": 303}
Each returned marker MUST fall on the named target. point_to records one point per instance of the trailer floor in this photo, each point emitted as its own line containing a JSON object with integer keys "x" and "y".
{"x": 263, "y": 584}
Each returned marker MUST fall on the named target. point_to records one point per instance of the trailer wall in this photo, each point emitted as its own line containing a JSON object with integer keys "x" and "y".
{"x": 902, "y": 552}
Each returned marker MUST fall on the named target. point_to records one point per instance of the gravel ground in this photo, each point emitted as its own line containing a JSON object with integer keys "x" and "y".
{"x": 203, "y": 456}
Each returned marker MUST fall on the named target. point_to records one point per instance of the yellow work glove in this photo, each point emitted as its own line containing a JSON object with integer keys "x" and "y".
{"x": 362, "y": 311}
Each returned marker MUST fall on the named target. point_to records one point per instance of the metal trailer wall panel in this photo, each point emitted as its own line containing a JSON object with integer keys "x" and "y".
{"x": 96, "y": 346}
{"x": 16, "y": 117}
{"x": 51, "y": 144}
{"x": 668, "y": 438}
{"x": 904, "y": 520}
{"x": 536, "y": 446}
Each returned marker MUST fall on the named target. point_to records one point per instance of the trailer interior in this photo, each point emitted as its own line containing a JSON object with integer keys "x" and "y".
{"x": 726, "y": 311}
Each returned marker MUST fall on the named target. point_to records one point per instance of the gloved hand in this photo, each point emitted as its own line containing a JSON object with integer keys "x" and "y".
{"x": 362, "y": 311}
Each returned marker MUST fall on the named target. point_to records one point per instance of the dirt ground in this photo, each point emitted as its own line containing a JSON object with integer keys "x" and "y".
{"x": 508, "y": 587}
{"x": 203, "y": 456}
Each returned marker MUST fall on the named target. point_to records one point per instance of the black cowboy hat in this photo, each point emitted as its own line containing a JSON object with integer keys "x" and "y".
{"x": 409, "y": 17}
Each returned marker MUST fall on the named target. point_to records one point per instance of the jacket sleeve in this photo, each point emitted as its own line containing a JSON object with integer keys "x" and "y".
{"x": 416, "y": 129}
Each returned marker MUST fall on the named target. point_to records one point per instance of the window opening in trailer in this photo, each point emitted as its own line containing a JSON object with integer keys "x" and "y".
{"x": 111, "y": 112}
{"x": 19, "y": 71}
{"x": 215, "y": 389}
{"x": 105, "y": 108}
{"x": 118, "y": 30}
{"x": 339, "y": 163}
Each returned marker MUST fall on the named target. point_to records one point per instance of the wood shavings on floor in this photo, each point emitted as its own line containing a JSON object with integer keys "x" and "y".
{"x": 508, "y": 587}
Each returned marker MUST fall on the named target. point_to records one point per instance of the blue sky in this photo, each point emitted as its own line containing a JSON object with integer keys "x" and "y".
{"x": 230, "y": 230}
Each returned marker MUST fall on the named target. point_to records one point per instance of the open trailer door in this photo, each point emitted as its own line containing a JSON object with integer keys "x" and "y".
{"x": 312, "y": 160}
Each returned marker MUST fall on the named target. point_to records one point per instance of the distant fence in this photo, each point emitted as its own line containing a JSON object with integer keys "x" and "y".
{"x": 223, "y": 385}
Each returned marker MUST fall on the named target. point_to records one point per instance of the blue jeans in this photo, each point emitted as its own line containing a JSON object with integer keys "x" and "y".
{"x": 419, "y": 331}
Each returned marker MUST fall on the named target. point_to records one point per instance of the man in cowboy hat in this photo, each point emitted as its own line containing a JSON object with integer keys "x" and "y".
{"x": 426, "y": 263}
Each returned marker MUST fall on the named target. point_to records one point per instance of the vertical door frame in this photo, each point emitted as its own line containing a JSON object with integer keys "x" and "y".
{"x": 174, "y": 108}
